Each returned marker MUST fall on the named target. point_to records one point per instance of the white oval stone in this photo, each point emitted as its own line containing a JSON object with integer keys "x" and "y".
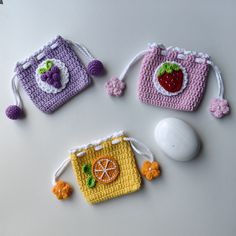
{"x": 177, "y": 139}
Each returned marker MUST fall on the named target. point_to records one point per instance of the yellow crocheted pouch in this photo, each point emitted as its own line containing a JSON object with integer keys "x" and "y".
{"x": 105, "y": 169}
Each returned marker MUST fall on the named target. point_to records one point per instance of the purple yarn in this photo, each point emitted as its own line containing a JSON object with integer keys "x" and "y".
{"x": 14, "y": 112}
{"x": 49, "y": 73}
{"x": 44, "y": 77}
{"x": 95, "y": 67}
{"x": 50, "y": 81}
{"x": 55, "y": 69}
{"x": 57, "y": 84}
{"x": 79, "y": 78}
{"x": 56, "y": 76}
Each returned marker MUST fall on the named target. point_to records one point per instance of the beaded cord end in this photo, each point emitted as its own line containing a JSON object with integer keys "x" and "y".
{"x": 14, "y": 112}
{"x": 95, "y": 68}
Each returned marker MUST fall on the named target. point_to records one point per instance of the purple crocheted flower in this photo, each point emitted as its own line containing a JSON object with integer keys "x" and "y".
{"x": 219, "y": 107}
{"x": 115, "y": 87}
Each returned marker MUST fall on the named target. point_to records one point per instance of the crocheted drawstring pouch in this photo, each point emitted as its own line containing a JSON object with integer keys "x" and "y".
{"x": 173, "y": 78}
{"x": 52, "y": 76}
{"x": 106, "y": 168}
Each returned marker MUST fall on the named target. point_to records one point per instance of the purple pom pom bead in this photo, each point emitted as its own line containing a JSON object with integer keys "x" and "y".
{"x": 95, "y": 67}
{"x": 14, "y": 112}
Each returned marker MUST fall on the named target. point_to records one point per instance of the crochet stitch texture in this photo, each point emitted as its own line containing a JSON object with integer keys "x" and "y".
{"x": 128, "y": 180}
{"x": 78, "y": 76}
{"x": 190, "y": 98}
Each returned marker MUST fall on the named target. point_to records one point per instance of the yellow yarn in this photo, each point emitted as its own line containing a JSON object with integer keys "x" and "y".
{"x": 128, "y": 181}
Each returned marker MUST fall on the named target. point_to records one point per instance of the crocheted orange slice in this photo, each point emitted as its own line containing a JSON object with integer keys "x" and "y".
{"x": 105, "y": 169}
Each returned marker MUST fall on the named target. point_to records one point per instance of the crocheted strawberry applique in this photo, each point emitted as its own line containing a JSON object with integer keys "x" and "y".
{"x": 50, "y": 74}
{"x": 170, "y": 78}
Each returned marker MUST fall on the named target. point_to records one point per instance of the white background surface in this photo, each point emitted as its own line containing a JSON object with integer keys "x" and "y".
{"x": 194, "y": 198}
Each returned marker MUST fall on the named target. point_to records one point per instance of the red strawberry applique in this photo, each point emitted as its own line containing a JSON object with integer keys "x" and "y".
{"x": 171, "y": 77}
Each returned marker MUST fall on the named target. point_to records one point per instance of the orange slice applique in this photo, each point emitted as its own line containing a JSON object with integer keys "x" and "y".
{"x": 105, "y": 169}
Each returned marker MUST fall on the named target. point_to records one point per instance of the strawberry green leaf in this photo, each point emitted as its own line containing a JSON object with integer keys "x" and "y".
{"x": 166, "y": 64}
{"x": 175, "y": 67}
{"x": 161, "y": 71}
{"x": 168, "y": 68}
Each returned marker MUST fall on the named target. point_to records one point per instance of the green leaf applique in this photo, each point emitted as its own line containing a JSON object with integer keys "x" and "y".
{"x": 90, "y": 182}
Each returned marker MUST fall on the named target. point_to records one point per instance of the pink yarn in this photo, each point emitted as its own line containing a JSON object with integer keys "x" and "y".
{"x": 219, "y": 107}
{"x": 190, "y": 98}
{"x": 115, "y": 87}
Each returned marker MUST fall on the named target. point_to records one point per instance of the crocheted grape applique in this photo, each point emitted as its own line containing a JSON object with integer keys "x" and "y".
{"x": 50, "y": 74}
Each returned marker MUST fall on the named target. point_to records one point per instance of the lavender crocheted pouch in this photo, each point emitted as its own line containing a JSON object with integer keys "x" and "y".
{"x": 52, "y": 76}
{"x": 173, "y": 78}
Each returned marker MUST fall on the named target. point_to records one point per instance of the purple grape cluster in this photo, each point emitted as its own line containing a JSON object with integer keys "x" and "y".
{"x": 52, "y": 77}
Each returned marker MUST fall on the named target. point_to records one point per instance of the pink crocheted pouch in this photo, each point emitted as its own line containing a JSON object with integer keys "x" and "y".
{"x": 172, "y": 78}
{"x": 185, "y": 97}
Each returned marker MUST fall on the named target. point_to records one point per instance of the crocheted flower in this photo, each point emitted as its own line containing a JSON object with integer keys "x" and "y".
{"x": 115, "y": 87}
{"x": 62, "y": 190}
{"x": 150, "y": 170}
{"x": 219, "y": 107}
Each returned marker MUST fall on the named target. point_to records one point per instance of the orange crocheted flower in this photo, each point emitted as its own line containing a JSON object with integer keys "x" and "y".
{"x": 62, "y": 190}
{"x": 150, "y": 170}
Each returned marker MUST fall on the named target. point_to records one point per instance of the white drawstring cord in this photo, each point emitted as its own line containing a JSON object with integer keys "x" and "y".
{"x": 146, "y": 151}
{"x": 60, "y": 170}
{"x": 14, "y": 85}
{"x": 219, "y": 79}
{"x": 140, "y": 148}
{"x": 133, "y": 61}
{"x": 82, "y": 49}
